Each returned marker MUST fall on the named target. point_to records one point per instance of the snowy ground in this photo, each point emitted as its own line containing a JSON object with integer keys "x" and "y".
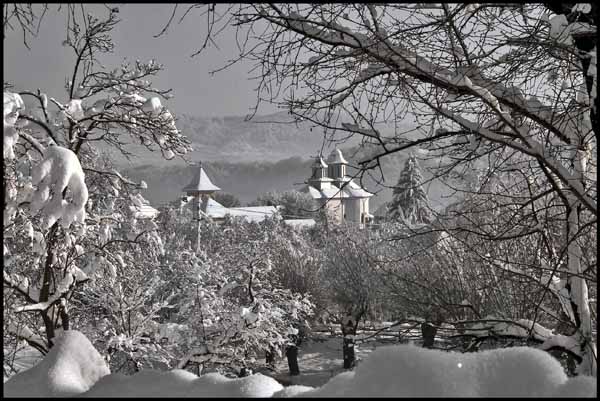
{"x": 74, "y": 368}
{"x": 320, "y": 359}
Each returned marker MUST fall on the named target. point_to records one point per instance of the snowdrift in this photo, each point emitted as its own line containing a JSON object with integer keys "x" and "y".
{"x": 180, "y": 383}
{"x": 409, "y": 371}
{"x": 71, "y": 367}
{"x": 74, "y": 367}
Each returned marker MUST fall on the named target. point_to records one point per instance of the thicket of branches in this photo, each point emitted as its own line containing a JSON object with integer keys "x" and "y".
{"x": 502, "y": 96}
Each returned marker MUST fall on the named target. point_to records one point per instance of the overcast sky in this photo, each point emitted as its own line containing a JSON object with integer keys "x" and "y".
{"x": 195, "y": 91}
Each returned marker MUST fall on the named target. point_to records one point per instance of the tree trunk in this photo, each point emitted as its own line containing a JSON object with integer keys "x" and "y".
{"x": 349, "y": 331}
{"x": 578, "y": 291}
{"x": 270, "y": 358}
{"x": 292, "y": 358}
{"x": 578, "y": 288}
{"x": 428, "y": 330}
{"x": 348, "y": 353}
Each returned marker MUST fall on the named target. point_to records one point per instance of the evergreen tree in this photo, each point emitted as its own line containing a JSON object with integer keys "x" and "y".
{"x": 409, "y": 200}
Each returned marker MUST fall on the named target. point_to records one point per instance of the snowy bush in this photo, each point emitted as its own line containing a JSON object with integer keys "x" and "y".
{"x": 229, "y": 296}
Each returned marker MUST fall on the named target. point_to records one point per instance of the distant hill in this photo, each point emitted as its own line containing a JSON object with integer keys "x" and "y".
{"x": 233, "y": 139}
{"x": 247, "y": 158}
{"x": 272, "y": 137}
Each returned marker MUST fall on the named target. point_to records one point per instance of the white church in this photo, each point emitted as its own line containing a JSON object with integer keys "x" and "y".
{"x": 334, "y": 190}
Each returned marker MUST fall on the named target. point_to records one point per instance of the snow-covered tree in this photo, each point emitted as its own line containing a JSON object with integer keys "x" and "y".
{"x": 349, "y": 275}
{"x": 229, "y": 295}
{"x": 67, "y": 210}
{"x": 226, "y": 199}
{"x": 511, "y": 86}
{"x": 409, "y": 200}
{"x": 293, "y": 204}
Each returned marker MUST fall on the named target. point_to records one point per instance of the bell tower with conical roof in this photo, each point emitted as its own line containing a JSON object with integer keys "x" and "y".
{"x": 337, "y": 167}
{"x": 201, "y": 187}
{"x": 318, "y": 178}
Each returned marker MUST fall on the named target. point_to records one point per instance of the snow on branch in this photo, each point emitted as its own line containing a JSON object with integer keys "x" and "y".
{"x": 12, "y": 105}
{"x": 533, "y": 148}
{"x": 59, "y": 171}
{"x": 71, "y": 279}
{"x": 568, "y": 343}
{"x": 25, "y": 333}
{"x": 400, "y": 59}
{"x": 22, "y": 285}
{"x": 363, "y": 131}
{"x": 522, "y": 328}
{"x": 558, "y": 288}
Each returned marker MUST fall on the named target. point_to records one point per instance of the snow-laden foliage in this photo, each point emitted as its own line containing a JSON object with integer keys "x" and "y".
{"x": 409, "y": 200}
{"x": 73, "y": 243}
{"x": 292, "y": 204}
{"x": 229, "y": 297}
{"x": 59, "y": 175}
{"x": 12, "y": 104}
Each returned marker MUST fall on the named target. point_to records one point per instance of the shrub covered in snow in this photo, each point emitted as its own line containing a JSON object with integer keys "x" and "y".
{"x": 228, "y": 294}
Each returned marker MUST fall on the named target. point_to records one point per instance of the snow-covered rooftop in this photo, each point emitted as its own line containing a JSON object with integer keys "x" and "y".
{"x": 253, "y": 213}
{"x": 300, "y": 222}
{"x": 357, "y": 193}
{"x": 325, "y": 193}
{"x": 200, "y": 183}
{"x": 143, "y": 211}
{"x": 215, "y": 210}
{"x": 350, "y": 190}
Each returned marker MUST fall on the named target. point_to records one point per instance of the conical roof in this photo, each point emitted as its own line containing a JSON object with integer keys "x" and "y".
{"x": 336, "y": 157}
{"x": 200, "y": 183}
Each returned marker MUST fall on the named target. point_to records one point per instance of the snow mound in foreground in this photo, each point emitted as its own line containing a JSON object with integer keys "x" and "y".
{"x": 180, "y": 383}
{"x": 74, "y": 367}
{"x": 409, "y": 371}
{"x": 580, "y": 386}
{"x": 70, "y": 368}
{"x": 292, "y": 391}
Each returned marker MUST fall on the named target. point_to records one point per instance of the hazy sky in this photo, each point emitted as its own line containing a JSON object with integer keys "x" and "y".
{"x": 195, "y": 91}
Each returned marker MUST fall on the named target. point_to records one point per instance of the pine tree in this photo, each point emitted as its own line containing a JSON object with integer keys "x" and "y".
{"x": 409, "y": 200}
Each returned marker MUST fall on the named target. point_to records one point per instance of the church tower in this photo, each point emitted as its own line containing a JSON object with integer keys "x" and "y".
{"x": 200, "y": 188}
{"x": 337, "y": 167}
{"x": 318, "y": 178}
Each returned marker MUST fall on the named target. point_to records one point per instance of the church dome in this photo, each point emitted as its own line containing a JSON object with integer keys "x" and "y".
{"x": 336, "y": 157}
